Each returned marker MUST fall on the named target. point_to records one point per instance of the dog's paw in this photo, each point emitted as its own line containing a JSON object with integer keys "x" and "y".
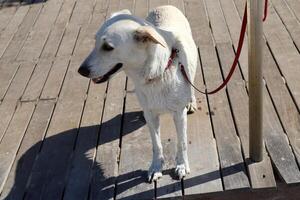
{"x": 155, "y": 171}
{"x": 181, "y": 171}
{"x": 191, "y": 107}
{"x": 154, "y": 176}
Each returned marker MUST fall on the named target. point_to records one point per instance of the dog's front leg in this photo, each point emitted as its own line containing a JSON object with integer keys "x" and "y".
{"x": 155, "y": 170}
{"x": 182, "y": 163}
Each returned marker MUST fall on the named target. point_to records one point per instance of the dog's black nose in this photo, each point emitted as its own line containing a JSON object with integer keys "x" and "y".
{"x": 84, "y": 71}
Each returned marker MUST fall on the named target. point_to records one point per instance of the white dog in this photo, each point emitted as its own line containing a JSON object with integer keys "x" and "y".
{"x": 142, "y": 48}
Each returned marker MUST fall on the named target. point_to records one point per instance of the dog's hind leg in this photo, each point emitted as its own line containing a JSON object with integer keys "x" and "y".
{"x": 155, "y": 170}
{"x": 182, "y": 163}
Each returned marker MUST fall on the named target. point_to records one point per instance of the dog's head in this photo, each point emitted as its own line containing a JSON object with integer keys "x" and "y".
{"x": 121, "y": 42}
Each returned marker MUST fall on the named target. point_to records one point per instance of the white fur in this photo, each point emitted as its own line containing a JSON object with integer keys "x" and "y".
{"x": 158, "y": 91}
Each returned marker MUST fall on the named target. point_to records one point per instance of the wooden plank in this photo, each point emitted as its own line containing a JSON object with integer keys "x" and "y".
{"x": 57, "y": 32}
{"x": 12, "y": 139}
{"x": 229, "y": 149}
{"x": 61, "y": 63}
{"x": 85, "y": 149}
{"x": 127, "y": 4}
{"x": 79, "y": 89}
{"x": 11, "y": 70}
{"x": 70, "y": 103}
{"x": 240, "y": 6}
{"x": 295, "y": 7}
{"x": 86, "y": 38}
{"x": 141, "y": 8}
{"x": 261, "y": 174}
{"x": 6, "y": 14}
{"x": 55, "y": 78}
{"x": 234, "y": 24}
{"x": 20, "y": 81}
{"x": 51, "y": 168}
{"x": 37, "y": 81}
{"x": 15, "y": 185}
{"x": 72, "y": 31}
{"x": 8, "y": 33}
{"x": 288, "y": 18}
{"x": 136, "y": 156}
{"x": 156, "y": 3}
{"x": 287, "y": 110}
{"x": 278, "y": 146}
{"x": 99, "y": 13}
{"x": 283, "y": 47}
{"x": 8, "y": 71}
{"x": 81, "y": 12}
{"x": 40, "y": 74}
{"x": 178, "y": 4}
{"x": 15, "y": 45}
{"x": 38, "y": 35}
{"x": 105, "y": 170}
{"x": 113, "y": 6}
{"x": 68, "y": 42}
{"x": 275, "y": 139}
{"x": 205, "y": 174}
{"x": 14, "y": 92}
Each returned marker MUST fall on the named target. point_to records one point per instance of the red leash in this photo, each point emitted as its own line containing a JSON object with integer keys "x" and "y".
{"x": 265, "y": 11}
{"x": 235, "y": 62}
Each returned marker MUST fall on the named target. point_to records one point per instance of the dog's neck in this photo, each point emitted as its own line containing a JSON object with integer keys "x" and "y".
{"x": 153, "y": 70}
{"x": 156, "y": 63}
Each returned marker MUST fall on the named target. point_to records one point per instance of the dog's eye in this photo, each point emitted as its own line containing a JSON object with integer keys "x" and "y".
{"x": 107, "y": 47}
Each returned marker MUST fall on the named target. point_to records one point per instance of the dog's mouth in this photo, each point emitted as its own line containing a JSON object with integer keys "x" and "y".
{"x": 106, "y": 76}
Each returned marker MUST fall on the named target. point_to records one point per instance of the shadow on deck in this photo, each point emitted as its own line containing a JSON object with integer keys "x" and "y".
{"x": 42, "y": 166}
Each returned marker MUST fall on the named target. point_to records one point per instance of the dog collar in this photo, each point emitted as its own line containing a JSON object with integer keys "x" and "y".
{"x": 173, "y": 55}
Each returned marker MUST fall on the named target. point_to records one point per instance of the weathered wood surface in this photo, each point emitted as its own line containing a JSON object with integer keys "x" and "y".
{"x": 14, "y": 47}
{"x": 8, "y": 32}
{"x": 14, "y": 92}
{"x": 15, "y": 185}
{"x": 275, "y": 138}
{"x": 260, "y": 173}
{"x": 13, "y": 138}
{"x": 40, "y": 31}
{"x": 205, "y": 167}
{"x": 136, "y": 153}
{"x": 229, "y": 147}
{"x": 63, "y": 137}
{"x": 288, "y": 18}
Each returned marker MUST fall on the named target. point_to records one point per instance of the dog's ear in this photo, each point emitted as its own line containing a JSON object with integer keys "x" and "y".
{"x": 121, "y": 12}
{"x": 148, "y": 33}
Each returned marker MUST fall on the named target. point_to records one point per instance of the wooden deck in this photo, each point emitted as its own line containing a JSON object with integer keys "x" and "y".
{"x": 62, "y": 137}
